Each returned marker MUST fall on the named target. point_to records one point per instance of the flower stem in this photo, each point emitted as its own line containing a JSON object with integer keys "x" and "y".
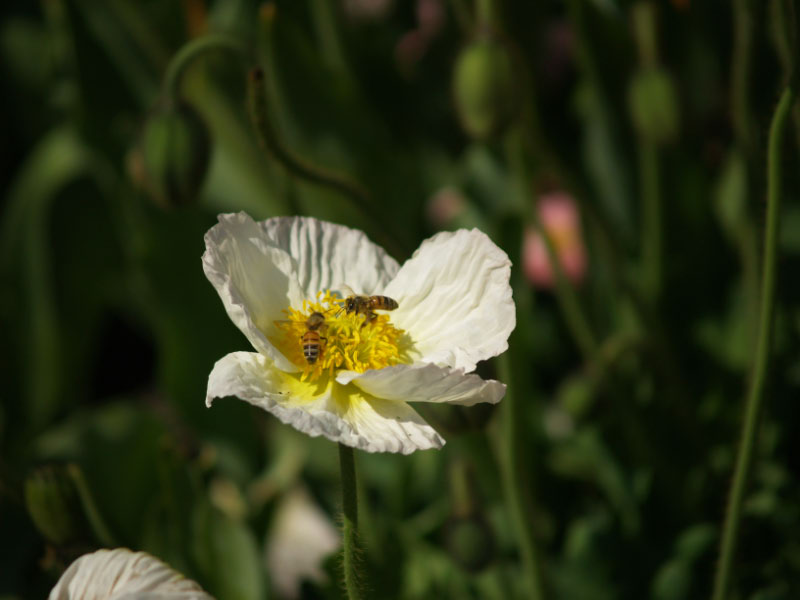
{"x": 514, "y": 479}
{"x": 186, "y": 56}
{"x": 741, "y": 69}
{"x": 651, "y": 218}
{"x": 349, "y": 522}
{"x": 268, "y": 137}
{"x": 755, "y": 395}
{"x": 93, "y": 515}
{"x": 568, "y": 302}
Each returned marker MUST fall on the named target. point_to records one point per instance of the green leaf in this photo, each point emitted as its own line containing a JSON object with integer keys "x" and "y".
{"x": 227, "y": 555}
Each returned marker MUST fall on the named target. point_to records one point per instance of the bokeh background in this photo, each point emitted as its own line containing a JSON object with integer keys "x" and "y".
{"x": 633, "y": 134}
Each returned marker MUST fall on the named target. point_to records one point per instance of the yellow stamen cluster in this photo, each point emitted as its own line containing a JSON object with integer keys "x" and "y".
{"x": 346, "y": 342}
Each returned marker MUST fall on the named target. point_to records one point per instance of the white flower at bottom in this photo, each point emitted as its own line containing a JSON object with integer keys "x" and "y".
{"x": 302, "y": 536}
{"x": 120, "y": 574}
{"x": 455, "y": 309}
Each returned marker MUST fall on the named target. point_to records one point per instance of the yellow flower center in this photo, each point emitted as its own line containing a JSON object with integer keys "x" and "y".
{"x": 342, "y": 341}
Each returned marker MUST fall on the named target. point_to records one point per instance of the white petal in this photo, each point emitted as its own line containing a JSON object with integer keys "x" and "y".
{"x": 424, "y": 382}
{"x": 455, "y": 299}
{"x": 300, "y": 539}
{"x": 328, "y": 255}
{"x": 254, "y": 279}
{"x": 340, "y": 413}
{"x": 120, "y": 574}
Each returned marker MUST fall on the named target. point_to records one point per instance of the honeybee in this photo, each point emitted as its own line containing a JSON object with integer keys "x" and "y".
{"x": 311, "y": 339}
{"x": 366, "y": 305}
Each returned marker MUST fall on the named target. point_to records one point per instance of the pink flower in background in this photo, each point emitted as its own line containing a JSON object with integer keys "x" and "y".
{"x": 444, "y": 206}
{"x": 559, "y": 217}
{"x": 413, "y": 45}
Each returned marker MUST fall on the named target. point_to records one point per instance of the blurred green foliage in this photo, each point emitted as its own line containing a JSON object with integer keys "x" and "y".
{"x": 624, "y": 442}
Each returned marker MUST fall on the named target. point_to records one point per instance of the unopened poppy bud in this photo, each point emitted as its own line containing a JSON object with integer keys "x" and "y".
{"x": 53, "y": 504}
{"x": 483, "y": 88}
{"x": 175, "y": 148}
{"x": 653, "y": 104}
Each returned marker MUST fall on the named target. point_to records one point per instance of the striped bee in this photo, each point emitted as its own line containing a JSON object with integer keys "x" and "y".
{"x": 366, "y": 305}
{"x": 311, "y": 339}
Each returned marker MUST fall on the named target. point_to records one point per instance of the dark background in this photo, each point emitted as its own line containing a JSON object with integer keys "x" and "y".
{"x": 624, "y": 448}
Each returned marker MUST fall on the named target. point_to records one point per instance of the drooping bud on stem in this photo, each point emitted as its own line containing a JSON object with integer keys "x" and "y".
{"x": 175, "y": 150}
{"x": 652, "y": 98}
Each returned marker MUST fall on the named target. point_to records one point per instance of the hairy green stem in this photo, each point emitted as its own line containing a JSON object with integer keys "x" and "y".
{"x": 515, "y": 480}
{"x": 186, "y": 56}
{"x": 755, "y": 395}
{"x": 349, "y": 522}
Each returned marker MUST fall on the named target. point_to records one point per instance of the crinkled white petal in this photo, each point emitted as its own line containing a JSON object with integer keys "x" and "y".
{"x": 255, "y": 280}
{"x": 120, "y": 574}
{"x": 425, "y": 382}
{"x": 328, "y": 255}
{"x": 300, "y": 539}
{"x": 455, "y": 299}
{"x": 340, "y": 413}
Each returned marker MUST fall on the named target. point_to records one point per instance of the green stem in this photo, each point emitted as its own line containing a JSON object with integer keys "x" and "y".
{"x": 96, "y": 521}
{"x": 651, "y": 218}
{"x": 514, "y": 479}
{"x": 485, "y": 13}
{"x": 330, "y": 42}
{"x": 186, "y": 56}
{"x": 349, "y": 522}
{"x": 740, "y": 72}
{"x": 568, "y": 302}
{"x": 268, "y": 137}
{"x": 755, "y": 395}
{"x": 463, "y": 16}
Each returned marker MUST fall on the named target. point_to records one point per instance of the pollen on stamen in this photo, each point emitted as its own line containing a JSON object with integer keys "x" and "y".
{"x": 345, "y": 342}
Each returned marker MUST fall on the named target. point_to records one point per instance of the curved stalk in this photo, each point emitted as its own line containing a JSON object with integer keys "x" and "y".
{"x": 349, "y": 522}
{"x": 268, "y": 137}
{"x": 186, "y": 56}
{"x": 755, "y": 396}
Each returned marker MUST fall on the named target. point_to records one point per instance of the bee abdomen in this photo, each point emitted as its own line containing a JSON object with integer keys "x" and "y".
{"x": 311, "y": 347}
{"x": 386, "y": 303}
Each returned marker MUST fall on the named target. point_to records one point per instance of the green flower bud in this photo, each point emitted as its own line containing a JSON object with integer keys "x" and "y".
{"x": 653, "y": 103}
{"x": 54, "y": 505}
{"x": 485, "y": 96}
{"x": 175, "y": 150}
{"x": 470, "y": 541}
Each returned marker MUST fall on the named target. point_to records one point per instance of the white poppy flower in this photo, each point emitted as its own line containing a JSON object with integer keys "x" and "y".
{"x": 302, "y": 536}
{"x": 121, "y": 574}
{"x": 455, "y": 309}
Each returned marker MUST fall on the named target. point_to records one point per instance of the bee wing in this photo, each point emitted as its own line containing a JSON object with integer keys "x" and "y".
{"x": 345, "y": 290}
